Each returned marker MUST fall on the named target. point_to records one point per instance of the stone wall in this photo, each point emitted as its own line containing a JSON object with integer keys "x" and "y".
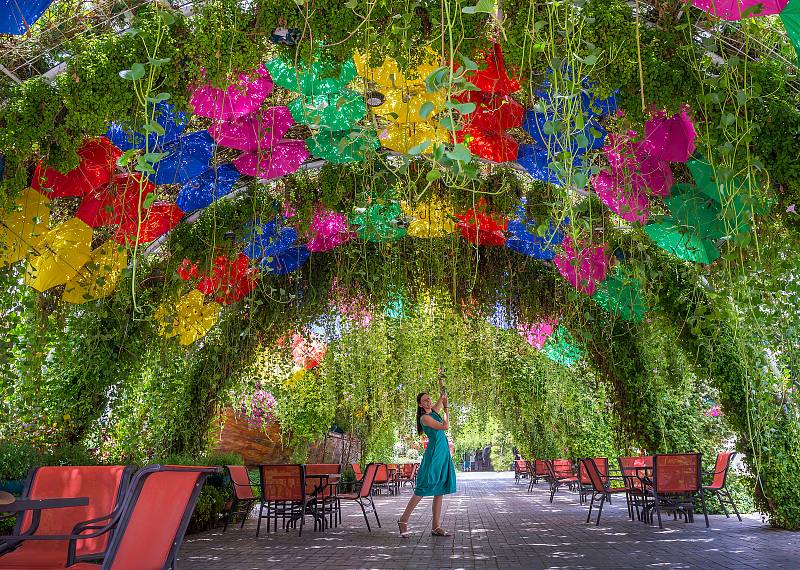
{"x": 264, "y": 445}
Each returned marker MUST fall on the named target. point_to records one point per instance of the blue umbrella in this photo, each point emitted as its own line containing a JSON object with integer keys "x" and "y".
{"x": 536, "y": 161}
{"x": 524, "y": 241}
{"x": 173, "y": 124}
{"x": 188, "y": 157}
{"x": 211, "y": 185}
{"x": 17, "y": 16}
{"x": 274, "y": 245}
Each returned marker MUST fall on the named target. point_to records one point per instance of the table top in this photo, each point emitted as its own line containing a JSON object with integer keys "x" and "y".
{"x": 38, "y": 504}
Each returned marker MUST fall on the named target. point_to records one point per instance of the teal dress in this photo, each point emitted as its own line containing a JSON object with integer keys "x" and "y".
{"x": 436, "y": 474}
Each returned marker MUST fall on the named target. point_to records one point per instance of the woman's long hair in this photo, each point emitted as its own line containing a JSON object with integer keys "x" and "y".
{"x": 420, "y": 413}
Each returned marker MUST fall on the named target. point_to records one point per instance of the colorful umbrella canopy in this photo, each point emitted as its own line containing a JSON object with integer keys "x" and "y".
{"x": 230, "y": 280}
{"x": 523, "y": 238}
{"x": 328, "y": 229}
{"x": 174, "y": 124}
{"x": 274, "y": 246}
{"x": 395, "y": 305}
{"x": 117, "y": 202}
{"x": 339, "y": 147}
{"x": 560, "y": 347}
{"x": 584, "y": 269}
{"x": 430, "y": 219}
{"x": 253, "y": 132}
{"x": 322, "y": 76}
{"x": 621, "y": 295}
{"x": 22, "y": 226}
{"x": 684, "y": 245}
{"x": 339, "y": 111}
{"x": 98, "y": 163}
{"x": 279, "y": 160}
{"x": 790, "y": 16}
{"x": 670, "y": 139}
{"x": 17, "y": 16}
{"x": 738, "y": 9}
{"x": 211, "y": 185}
{"x": 99, "y": 277}
{"x": 736, "y": 202}
{"x": 188, "y": 319}
{"x": 379, "y": 222}
{"x": 188, "y": 156}
{"x": 156, "y": 221}
{"x": 59, "y": 255}
{"x": 621, "y": 198}
{"x": 536, "y": 334}
{"x": 480, "y": 228}
{"x": 237, "y": 100}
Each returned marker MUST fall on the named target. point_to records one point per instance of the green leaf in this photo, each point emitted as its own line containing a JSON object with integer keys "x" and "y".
{"x": 590, "y": 59}
{"x": 135, "y": 73}
{"x": 463, "y": 108}
{"x": 148, "y": 200}
{"x": 482, "y": 7}
{"x": 460, "y": 153}
{"x": 154, "y": 127}
{"x": 467, "y": 62}
{"x": 426, "y": 109}
{"x": 153, "y": 157}
{"x": 449, "y": 124}
{"x": 158, "y": 98}
{"x": 434, "y": 174}
{"x": 159, "y": 62}
{"x": 420, "y": 148}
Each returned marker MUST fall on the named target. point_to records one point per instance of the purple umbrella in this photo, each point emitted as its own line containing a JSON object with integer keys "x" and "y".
{"x": 669, "y": 138}
{"x": 238, "y": 100}
{"x": 737, "y": 9}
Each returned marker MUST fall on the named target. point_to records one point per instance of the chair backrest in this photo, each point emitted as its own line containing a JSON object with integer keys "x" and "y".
{"x": 602, "y": 467}
{"x": 321, "y": 469}
{"x": 529, "y": 468}
{"x": 562, "y": 468}
{"x": 240, "y": 479}
{"x": 541, "y": 468}
{"x": 357, "y": 470}
{"x": 677, "y": 472}
{"x": 520, "y": 466}
{"x": 630, "y": 474}
{"x": 369, "y": 478}
{"x": 156, "y": 512}
{"x": 286, "y": 482}
{"x": 105, "y": 485}
{"x": 407, "y": 470}
{"x": 721, "y": 467}
{"x": 594, "y": 476}
{"x": 382, "y": 476}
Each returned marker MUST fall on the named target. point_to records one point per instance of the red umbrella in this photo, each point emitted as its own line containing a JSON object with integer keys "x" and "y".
{"x": 115, "y": 203}
{"x": 157, "y": 220}
{"x": 230, "y": 280}
{"x": 98, "y": 162}
{"x": 480, "y": 228}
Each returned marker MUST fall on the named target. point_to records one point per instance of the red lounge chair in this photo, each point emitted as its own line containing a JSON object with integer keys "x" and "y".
{"x": 363, "y": 494}
{"x": 600, "y": 484}
{"x": 675, "y": 485}
{"x": 103, "y": 485}
{"x": 242, "y": 494}
{"x": 585, "y": 486}
{"x": 720, "y": 476}
{"x": 283, "y": 492}
{"x": 520, "y": 470}
{"x": 560, "y": 474}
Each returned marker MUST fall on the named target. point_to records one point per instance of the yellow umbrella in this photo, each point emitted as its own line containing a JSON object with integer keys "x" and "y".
{"x": 59, "y": 255}
{"x": 431, "y": 219}
{"x": 189, "y": 319}
{"x": 99, "y": 277}
{"x": 402, "y": 101}
{"x": 21, "y": 226}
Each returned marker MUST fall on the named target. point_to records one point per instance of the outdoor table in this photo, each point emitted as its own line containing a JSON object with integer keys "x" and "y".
{"x": 19, "y": 505}
{"x": 326, "y": 480}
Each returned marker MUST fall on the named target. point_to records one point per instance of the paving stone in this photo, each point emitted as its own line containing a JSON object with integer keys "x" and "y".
{"x": 496, "y": 524}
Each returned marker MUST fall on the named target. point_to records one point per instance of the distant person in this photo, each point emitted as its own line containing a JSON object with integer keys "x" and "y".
{"x": 517, "y": 456}
{"x": 436, "y": 476}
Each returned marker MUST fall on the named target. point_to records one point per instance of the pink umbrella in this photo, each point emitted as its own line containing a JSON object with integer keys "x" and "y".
{"x": 583, "y": 269}
{"x": 238, "y": 100}
{"x": 279, "y": 160}
{"x": 329, "y": 229}
{"x": 669, "y": 138}
{"x": 626, "y": 201}
{"x": 735, "y": 9}
{"x": 536, "y": 334}
{"x": 253, "y": 132}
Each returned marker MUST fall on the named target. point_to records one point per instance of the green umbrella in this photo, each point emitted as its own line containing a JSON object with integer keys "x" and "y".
{"x": 790, "y": 16}
{"x": 693, "y": 209}
{"x": 335, "y": 111}
{"x": 561, "y": 348}
{"x": 379, "y": 222}
{"x": 395, "y": 305}
{"x": 682, "y": 242}
{"x": 339, "y": 147}
{"x": 731, "y": 193}
{"x": 621, "y": 295}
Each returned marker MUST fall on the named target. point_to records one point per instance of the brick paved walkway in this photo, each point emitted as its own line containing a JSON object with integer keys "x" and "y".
{"x": 496, "y": 524}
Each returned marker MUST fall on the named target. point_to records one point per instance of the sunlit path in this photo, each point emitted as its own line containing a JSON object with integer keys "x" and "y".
{"x": 497, "y": 524}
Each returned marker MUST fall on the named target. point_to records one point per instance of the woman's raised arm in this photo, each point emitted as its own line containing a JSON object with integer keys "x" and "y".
{"x": 432, "y": 423}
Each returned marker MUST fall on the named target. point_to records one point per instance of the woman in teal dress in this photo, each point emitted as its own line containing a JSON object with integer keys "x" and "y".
{"x": 436, "y": 476}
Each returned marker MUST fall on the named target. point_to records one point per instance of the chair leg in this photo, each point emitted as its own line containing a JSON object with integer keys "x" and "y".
{"x": 230, "y": 514}
{"x": 246, "y": 513}
{"x": 303, "y": 518}
{"x": 591, "y": 504}
{"x": 703, "y": 502}
{"x": 260, "y": 511}
{"x": 600, "y": 510}
{"x": 375, "y": 511}
{"x": 733, "y": 505}
{"x": 366, "y": 519}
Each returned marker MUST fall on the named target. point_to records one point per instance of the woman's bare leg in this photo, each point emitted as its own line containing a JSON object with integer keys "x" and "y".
{"x": 412, "y": 504}
{"x": 437, "y": 511}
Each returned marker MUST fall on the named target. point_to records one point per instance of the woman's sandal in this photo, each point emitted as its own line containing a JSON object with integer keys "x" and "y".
{"x": 439, "y": 531}
{"x": 403, "y": 531}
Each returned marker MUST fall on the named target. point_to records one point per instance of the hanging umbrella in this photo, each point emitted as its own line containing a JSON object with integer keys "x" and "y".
{"x": 738, "y": 9}
{"x": 279, "y": 160}
{"x": 395, "y": 305}
{"x": 22, "y": 226}
{"x": 98, "y": 162}
{"x": 188, "y": 156}
{"x": 695, "y": 211}
{"x": 560, "y": 347}
{"x": 322, "y": 76}
{"x": 621, "y": 295}
{"x": 99, "y": 277}
{"x": 536, "y": 161}
{"x": 480, "y": 228}
{"x": 684, "y": 245}
{"x": 174, "y": 124}
{"x": 338, "y": 111}
{"x": 230, "y": 280}
{"x": 274, "y": 246}
{"x": 790, "y": 16}
{"x": 339, "y": 147}
{"x": 583, "y": 269}
{"x": 402, "y": 137}
{"x": 17, "y": 16}
{"x": 59, "y": 255}
{"x": 328, "y": 229}
{"x": 494, "y": 146}
{"x": 620, "y": 197}
{"x": 238, "y": 100}
{"x": 432, "y": 219}
{"x": 188, "y": 319}
{"x": 115, "y": 203}
{"x": 201, "y": 191}
{"x": 669, "y": 139}
{"x": 156, "y": 221}
{"x": 523, "y": 239}
{"x": 536, "y": 334}
{"x": 254, "y": 132}
{"x": 379, "y": 222}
